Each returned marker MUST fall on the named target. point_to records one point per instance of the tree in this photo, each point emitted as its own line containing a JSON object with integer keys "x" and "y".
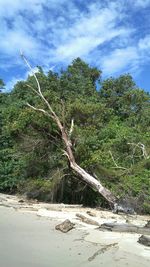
{"x": 108, "y": 141}
{"x": 1, "y": 84}
{"x": 79, "y": 79}
{"x": 10, "y": 162}
{"x": 114, "y": 91}
{"x": 66, "y": 138}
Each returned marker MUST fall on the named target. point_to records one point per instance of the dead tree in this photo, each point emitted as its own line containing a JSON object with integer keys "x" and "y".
{"x": 140, "y": 146}
{"x": 66, "y": 138}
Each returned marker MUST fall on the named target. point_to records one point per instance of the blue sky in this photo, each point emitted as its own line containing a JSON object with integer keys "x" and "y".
{"x": 111, "y": 35}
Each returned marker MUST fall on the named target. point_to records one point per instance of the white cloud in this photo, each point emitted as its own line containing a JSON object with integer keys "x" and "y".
{"x": 9, "y": 8}
{"x": 141, "y": 3}
{"x": 144, "y": 43}
{"x": 53, "y": 32}
{"x": 119, "y": 60}
{"x": 128, "y": 59}
{"x": 89, "y": 32}
{"x": 15, "y": 40}
{"x": 72, "y": 33}
{"x": 10, "y": 84}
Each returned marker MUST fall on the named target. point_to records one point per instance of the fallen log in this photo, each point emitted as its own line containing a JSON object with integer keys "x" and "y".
{"x": 127, "y": 228}
{"x": 102, "y": 250}
{"x": 91, "y": 213}
{"x": 87, "y": 220}
{"x": 144, "y": 240}
{"x": 147, "y": 225}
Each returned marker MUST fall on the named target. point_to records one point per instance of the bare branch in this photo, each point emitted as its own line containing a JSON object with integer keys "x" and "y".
{"x": 38, "y": 86}
{"x": 65, "y": 154}
{"x": 63, "y": 112}
{"x": 35, "y": 91}
{"x": 142, "y": 147}
{"x": 33, "y": 73}
{"x": 71, "y": 127}
{"x": 41, "y": 110}
{"x": 116, "y": 165}
{"x": 113, "y": 158}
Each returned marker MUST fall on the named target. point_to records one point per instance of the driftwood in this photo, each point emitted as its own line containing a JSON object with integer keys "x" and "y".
{"x": 87, "y": 220}
{"x": 102, "y": 250}
{"x": 127, "y": 228}
{"x": 123, "y": 208}
{"x": 91, "y": 213}
{"x": 21, "y": 201}
{"x": 148, "y": 224}
{"x": 65, "y": 226}
{"x": 144, "y": 240}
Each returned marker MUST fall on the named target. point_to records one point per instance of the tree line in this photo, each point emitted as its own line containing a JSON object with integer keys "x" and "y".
{"x": 110, "y": 137}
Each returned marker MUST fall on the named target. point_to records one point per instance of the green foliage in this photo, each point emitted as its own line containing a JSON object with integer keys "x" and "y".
{"x": 41, "y": 189}
{"x": 110, "y": 126}
{"x": 1, "y": 84}
{"x": 10, "y": 169}
{"x": 79, "y": 80}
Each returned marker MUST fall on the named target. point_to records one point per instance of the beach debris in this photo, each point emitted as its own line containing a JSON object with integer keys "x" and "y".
{"x": 144, "y": 240}
{"x": 123, "y": 208}
{"x": 91, "y": 213}
{"x": 125, "y": 227}
{"x": 65, "y": 226}
{"x": 87, "y": 220}
{"x": 147, "y": 225}
{"x": 21, "y": 201}
{"x": 102, "y": 250}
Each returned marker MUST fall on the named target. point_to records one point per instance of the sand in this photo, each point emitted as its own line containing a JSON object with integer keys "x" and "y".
{"x": 28, "y": 237}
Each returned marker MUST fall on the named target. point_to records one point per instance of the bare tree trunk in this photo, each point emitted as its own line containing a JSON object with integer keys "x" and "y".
{"x": 86, "y": 177}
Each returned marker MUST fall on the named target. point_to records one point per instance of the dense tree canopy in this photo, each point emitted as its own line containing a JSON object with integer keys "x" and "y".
{"x": 110, "y": 138}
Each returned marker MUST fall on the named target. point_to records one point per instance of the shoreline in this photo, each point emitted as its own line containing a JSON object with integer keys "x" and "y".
{"x": 111, "y": 248}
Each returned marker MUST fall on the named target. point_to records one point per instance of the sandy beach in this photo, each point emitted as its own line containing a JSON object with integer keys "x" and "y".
{"x": 28, "y": 237}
